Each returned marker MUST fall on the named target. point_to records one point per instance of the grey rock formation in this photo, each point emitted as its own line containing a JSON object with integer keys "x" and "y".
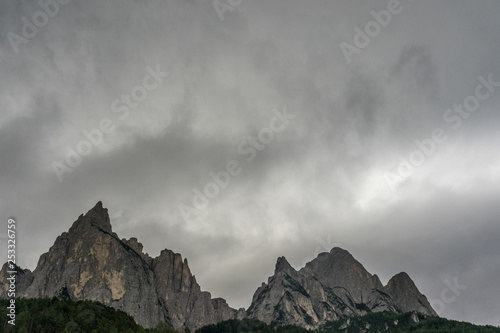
{"x": 290, "y": 298}
{"x": 90, "y": 262}
{"x": 23, "y": 279}
{"x": 222, "y": 310}
{"x": 331, "y": 287}
{"x": 406, "y": 295}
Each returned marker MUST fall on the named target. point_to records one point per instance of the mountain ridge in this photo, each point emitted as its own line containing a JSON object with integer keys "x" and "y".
{"x": 90, "y": 262}
{"x": 332, "y": 286}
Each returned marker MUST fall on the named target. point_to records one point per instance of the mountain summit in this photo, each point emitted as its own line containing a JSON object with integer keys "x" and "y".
{"x": 90, "y": 262}
{"x": 331, "y": 287}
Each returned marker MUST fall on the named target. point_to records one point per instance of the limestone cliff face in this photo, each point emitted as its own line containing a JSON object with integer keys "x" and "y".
{"x": 331, "y": 287}
{"x": 180, "y": 294}
{"x": 90, "y": 262}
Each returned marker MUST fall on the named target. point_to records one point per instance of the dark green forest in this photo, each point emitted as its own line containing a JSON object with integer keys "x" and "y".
{"x": 46, "y": 315}
{"x": 375, "y": 322}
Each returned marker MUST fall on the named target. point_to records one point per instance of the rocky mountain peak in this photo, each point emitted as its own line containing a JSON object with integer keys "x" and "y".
{"x": 401, "y": 280}
{"x": 343, "y": 258}
{"x": 405, "y": 294}
{"x": 282, "y": 265}
{"x": 99, "y": 216}
{"x": 90, "y": 262}
{"x": 334, "y": 285}
{"x": 96, "y": 217}
{"x": 339, "y": 251}
{"x": 339, "y": 269}
{"x": 336, "y": 259}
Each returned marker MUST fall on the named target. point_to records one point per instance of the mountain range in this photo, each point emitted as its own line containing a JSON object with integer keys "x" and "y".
{"x": 90, "y": 262}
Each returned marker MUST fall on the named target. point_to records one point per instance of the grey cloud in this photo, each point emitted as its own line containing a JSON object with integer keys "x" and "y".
{"x": 320, "y": 181}
{"x": 415, "y": 64}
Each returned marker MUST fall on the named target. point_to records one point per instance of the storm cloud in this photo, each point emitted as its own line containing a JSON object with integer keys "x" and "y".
{"x": 330, "y": 176}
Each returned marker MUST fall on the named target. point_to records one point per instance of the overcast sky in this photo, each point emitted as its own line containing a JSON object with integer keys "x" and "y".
{"x": 341, "y": 167}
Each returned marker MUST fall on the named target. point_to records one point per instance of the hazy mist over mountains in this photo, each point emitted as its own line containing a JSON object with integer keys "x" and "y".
{"x": 239, "y": 134}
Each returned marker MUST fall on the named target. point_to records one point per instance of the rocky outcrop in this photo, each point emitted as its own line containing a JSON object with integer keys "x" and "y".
{"x": 21, "y": 277}
{"x": 330, "y": 287}
{"x": 179, "y": 292}
{"x": 222, "y": 310}
{"x": 290, "y": 298}
{"x": 406, "y": 295}
{"x": 90, "y": 262}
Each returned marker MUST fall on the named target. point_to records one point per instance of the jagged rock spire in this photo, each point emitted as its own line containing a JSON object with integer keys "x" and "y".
{"x": 90, "y": 262}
